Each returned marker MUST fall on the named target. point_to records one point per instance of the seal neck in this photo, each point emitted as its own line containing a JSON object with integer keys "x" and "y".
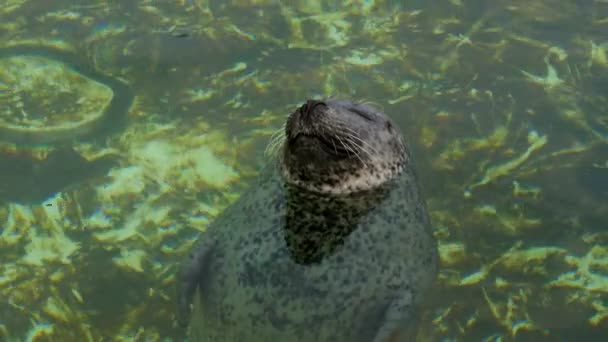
{"x": 317, "y": 224}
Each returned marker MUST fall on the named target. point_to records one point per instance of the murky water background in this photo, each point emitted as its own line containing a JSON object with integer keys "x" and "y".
{"x": 505, "y": 104}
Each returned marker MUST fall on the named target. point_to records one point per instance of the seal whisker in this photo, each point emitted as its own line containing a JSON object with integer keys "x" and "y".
{"x": 345, "y": 147}
{"x": 350, "y": 148}
{"x": 272, "y": 147}
{"x": 349, "y": 139}
{"x": 357, "y": 147}
{"x": 353, "y": 134}
{"x": 334, "y": 143}
{"x": 278, "y": 134}
{"x": 276, "y": 141}
{"x": 366, "y": 144}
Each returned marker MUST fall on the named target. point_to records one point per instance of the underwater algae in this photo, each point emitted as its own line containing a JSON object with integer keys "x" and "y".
{"x": 502, "y": 111}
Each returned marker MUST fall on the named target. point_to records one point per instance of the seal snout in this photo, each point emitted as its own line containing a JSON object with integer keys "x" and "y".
{"x": 308, "y": 108}
{"x": 307, "y": 119}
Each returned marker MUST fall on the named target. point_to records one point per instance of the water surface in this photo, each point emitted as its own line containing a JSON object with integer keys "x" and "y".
{"x": 505, "y": 105}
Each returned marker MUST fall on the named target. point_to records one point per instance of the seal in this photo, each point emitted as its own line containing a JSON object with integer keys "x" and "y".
{"x": 332, "y": 243}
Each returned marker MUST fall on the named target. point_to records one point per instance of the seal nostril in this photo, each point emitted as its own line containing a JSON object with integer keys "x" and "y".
{"x": 310, "y": 105}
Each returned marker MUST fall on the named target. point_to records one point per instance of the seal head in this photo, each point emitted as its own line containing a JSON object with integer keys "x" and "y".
{"x": 338, "y": 146}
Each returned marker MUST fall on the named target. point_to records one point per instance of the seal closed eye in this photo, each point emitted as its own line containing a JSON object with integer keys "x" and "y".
{"x": 332, "y": 243}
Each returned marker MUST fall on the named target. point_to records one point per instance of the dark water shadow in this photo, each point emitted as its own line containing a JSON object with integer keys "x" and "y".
{"x": 25, "y": 179}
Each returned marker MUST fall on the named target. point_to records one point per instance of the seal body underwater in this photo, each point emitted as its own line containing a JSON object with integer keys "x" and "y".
{"x": 332, "y": 243}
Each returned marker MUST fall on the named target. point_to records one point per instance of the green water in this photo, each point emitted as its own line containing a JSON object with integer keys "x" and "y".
{"x": 505, "y": 106}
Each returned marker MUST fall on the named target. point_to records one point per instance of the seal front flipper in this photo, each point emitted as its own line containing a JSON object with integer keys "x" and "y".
{"x": 189, "y": 278}
{"x": 397, "y": 324}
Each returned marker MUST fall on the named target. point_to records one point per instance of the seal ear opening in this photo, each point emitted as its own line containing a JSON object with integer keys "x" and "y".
{"x": 389, "y": 127}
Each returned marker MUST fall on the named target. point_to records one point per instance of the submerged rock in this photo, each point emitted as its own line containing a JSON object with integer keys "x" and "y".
{"x": 48, "y": 95}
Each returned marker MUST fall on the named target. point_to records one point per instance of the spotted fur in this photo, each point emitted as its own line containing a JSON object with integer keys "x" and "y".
{"x": 313, "y": 251}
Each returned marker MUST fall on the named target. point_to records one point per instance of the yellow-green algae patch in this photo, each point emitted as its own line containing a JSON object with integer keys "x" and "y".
{"x": 494, "y": 172}
{"x": 59, "y": 310}
{"x": 452, "y": 254}
{"x": 189, "y": 167}
{"x": 125, "y": 181}
{"x": 43, "y": 249}
{"x": 145, "y": 214}
{"x": 131, "y": 259}
{"x": 590, "y": 274}
{"x": 599, "y": 54}
{"x": 20, "y": 219}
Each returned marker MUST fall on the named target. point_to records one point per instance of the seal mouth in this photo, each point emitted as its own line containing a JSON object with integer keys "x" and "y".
{"x": 329, "y": 145}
